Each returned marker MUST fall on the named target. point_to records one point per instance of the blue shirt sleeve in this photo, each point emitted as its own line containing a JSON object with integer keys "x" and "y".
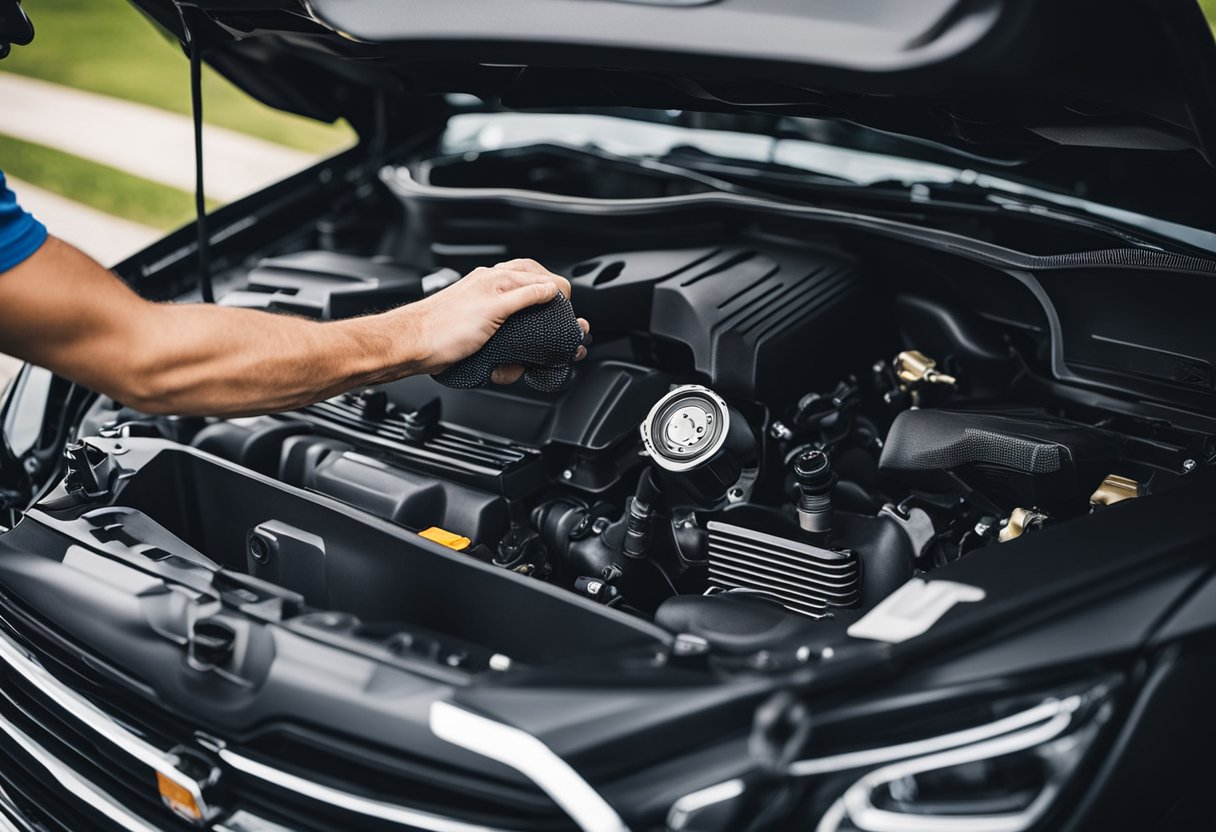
{"x": 20, "y": 233}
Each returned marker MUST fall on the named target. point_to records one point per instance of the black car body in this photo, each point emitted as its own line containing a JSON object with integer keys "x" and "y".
{"x": 746, "y": 571}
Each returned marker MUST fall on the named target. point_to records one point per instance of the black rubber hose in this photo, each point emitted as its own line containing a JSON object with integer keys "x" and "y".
{"x": 648, "y": 488}
{"x": 639, "y": 516}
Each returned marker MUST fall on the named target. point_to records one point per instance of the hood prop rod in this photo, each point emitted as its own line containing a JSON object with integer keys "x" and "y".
{"x": 194, "y": 47}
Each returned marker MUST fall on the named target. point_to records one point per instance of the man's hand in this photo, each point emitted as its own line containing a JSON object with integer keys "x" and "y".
{"x": 456, "y": 322}
{"x": 63, "y": 311}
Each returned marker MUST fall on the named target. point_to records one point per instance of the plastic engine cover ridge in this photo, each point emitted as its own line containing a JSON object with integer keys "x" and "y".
{"x": 543, "y": 339}
{"x": 754, "y": 322}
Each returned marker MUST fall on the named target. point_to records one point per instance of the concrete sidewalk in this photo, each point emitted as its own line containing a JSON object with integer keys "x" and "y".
{"x": 106, "y": 239}
{"x": 142, "y": 140}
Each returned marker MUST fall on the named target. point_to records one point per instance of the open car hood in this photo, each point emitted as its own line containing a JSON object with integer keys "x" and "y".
{"x": 1004, "y": 80}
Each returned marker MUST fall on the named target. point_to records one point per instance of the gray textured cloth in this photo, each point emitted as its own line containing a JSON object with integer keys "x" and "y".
{"x": 543, "y": 339}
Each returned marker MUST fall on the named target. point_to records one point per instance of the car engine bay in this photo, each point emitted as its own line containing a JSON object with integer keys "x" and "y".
{"x": 778, "y": 425}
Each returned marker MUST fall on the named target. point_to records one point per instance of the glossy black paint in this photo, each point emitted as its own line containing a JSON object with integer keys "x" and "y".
{"x": 112, "y": 600}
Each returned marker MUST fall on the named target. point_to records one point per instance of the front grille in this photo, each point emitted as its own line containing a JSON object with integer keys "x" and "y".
{"x": 427, "y": 786}
{"x": 119, "y": 694}
{"x": 42, "y": 804}
{"x": 319, "y": 761}
{"x": 803, "y": 578}
{"x": 125, "y": 779}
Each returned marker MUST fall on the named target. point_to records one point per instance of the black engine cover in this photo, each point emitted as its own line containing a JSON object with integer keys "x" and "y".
{"x": 757, "y": 323}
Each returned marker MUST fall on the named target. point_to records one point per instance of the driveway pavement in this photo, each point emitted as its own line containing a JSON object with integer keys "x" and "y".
{"x": 135, "y": 138}
{"x": 106, "y": 239}
{"x": 142, "y": 140}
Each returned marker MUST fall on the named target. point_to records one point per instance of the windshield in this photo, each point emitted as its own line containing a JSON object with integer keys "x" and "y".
{"x": 475, "y": 132}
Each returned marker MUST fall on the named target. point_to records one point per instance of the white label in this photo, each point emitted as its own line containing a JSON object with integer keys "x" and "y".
{"x": 913, "y": 609}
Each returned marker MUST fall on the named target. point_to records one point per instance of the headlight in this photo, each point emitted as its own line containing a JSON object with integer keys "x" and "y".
{"x": 1000, "y": 777}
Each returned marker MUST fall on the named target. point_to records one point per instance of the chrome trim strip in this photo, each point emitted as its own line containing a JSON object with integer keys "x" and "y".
{"x": 73, "y": 783}
{"x": 875, "y": 756}
{"x": 366, "y": 806}
{"x": 11, "y": 815}
{"x": 96, "y": 720}
{"x": 532, "y": 758}
{"x": 686, "y": 808}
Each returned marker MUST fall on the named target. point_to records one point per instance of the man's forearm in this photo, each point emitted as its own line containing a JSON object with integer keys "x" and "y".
{"x": 63, "y": 311}
{"x": 73, "y": 316}
{"x": 224, "y": 361}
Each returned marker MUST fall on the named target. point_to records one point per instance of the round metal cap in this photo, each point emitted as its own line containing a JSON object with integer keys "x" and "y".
{"x": 686, "y": 427}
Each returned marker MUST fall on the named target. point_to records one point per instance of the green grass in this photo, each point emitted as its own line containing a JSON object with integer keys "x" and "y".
{"x": 108, "y": 47}
{"x": 1209, "y": 11}
{"x": 104, "y": 188}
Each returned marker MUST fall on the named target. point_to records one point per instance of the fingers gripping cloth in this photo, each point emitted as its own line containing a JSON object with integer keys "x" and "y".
{"x": 542, "y": 339}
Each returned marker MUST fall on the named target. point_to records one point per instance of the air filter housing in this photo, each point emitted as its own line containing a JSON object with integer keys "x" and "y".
{"x": 804, "y": 579}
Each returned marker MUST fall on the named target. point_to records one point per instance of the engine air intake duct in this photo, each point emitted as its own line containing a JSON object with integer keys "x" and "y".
{"x": 1024, "y": 459}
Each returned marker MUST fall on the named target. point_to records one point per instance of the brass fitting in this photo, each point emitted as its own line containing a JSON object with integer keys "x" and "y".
{"x": 1020, "y": 520}
{"x": 914, "y": 367}
{"x": 1114, "y": 489}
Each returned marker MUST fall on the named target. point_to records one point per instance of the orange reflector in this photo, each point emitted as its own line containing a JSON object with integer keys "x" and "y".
{"x": 445, "y": 538}
{"x": 178, "y": 798}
